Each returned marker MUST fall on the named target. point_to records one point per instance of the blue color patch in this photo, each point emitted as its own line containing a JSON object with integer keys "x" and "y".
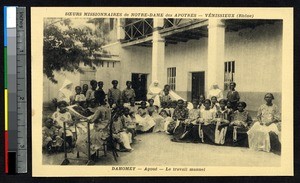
{"x": 5, "y": 25}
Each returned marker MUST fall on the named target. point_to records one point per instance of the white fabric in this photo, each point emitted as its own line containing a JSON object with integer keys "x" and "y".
{"x": 215, "y": 92}
{"x": 259, "y": 138}
{"x": 65, "y": 93}
{"x": 159, "y": 122}
{"x": 175, "y": 96}
{"x": 153, "y": 92}
{"x": 125, "y": 139}
{"x": 167, "y": 121}
{"x": 145, "y": 123}
{"x": 220, "y": 134}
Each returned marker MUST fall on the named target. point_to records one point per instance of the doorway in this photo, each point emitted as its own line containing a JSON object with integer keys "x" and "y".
{"x": 198, "y": 84}
{"x": 139, "y": 85}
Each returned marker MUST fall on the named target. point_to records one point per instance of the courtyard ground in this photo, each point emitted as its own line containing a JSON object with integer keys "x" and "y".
{"x": 156, "y": 149}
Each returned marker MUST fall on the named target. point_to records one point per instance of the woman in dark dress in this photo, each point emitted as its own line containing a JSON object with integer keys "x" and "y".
{"x": 237, "y": 130}
{"x": 180, "y": 116}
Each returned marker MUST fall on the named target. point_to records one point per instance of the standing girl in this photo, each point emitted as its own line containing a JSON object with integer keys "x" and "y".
{"x": 233, "y": 96}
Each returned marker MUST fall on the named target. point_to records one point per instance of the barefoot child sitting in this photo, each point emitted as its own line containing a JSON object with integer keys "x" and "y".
{"x": 52, "y": 142}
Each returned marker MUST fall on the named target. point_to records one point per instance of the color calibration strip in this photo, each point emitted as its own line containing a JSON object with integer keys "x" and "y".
{"x": 15, "y": 68}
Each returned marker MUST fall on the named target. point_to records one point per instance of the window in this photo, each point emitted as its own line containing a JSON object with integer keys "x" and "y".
{"x": 171, "y": 77}
{"x": 229, "y": 71}
{"x": 87, "y": 76}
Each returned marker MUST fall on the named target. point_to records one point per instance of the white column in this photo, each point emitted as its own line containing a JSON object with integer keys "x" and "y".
{"x": 216, "y": 43}
{"x": 158, "y": 53}
{"x": 120, "y": 30}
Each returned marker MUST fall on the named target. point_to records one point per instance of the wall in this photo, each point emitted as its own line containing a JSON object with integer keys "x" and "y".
{"x": 50, "y": 90}
{"x": 187, "y": 57}
{"x": 135, "y": 59}
{"x": 105, "y": 74}
{"x": 258, "y": 58}
{"x": 257, "y": 54}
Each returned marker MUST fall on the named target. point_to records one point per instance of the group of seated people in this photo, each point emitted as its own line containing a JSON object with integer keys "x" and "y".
{"x": 212, "y": 121}
{"x": 84, "y": 104}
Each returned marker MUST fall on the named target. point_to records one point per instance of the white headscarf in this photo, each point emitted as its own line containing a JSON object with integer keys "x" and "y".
{"x": 155, "y": 89}
{"x": 215, "y": 92}
{"x": 65, "y": 92}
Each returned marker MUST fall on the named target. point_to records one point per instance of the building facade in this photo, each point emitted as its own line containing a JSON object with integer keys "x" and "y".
{"x": 191, "y": 55}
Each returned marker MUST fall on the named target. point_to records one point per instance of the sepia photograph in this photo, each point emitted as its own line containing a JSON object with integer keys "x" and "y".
{"x": 153, "y": 93}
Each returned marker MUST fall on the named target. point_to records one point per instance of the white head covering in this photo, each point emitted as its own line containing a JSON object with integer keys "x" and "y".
{"x": 65, "y": 92}
{"x": 154, "y": 89}
{"x": 215, "y": 92}
{"x": 65, "y": 84}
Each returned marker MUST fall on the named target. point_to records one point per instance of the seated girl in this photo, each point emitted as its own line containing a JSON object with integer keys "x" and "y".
{"x": 121, "y": 134}
{"x": 223, "y": 119}
{"x": 166, "y": 118}
{"x": 144, "y": 121}
{"x": 165, "y": 96}
{"x": 201, "y": 99}
{"x": 165, "y": 106}
{"x": 52, "y": 142}
{"x": 83, "y": 109}
{"x": 264, "y": 135}
{"x": 99, "y": 130}
{"x": 201, "y": 102}
{"x": 129, "y": 122}
{"x": 215, "y": 104}
{"x": 151, "y": 108}
{"x": 180, "y": 116}
{"x": 171, "y": 126}
{"x": 193, "y": 121}
{"x": 238, "y": 127}
{"x": 78, "y": 97}
{"x": 207, "y": 125}
{"x": 132, "y": 107}
{"x": 62, "y": 116}
{"x": 159, "y": 121}
{"x": 172, "y": 107}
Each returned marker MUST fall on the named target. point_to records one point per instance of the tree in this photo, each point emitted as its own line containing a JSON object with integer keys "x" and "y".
{"x": 66, "y": 46}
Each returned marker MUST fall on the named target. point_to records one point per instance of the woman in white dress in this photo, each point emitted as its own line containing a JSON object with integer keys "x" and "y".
{"x": 259, "y": 135}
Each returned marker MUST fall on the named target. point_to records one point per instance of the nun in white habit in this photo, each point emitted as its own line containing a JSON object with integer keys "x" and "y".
{"x": 215, "y": 91}
{"x": 154, "y": 91}
{"x": 65, "y": 92}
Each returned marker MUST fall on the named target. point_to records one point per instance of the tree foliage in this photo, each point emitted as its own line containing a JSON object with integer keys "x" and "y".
{"x": 66, "y": 46}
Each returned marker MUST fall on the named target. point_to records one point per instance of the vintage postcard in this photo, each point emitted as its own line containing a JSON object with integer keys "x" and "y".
{"x": 120, "y": 91}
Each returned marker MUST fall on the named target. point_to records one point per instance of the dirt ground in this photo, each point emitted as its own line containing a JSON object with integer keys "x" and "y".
{"x": 156, "y": 149}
